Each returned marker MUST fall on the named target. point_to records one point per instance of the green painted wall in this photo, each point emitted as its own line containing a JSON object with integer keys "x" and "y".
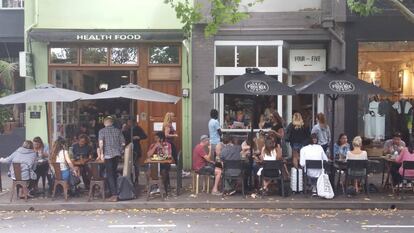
{"x": 100, "y": 14}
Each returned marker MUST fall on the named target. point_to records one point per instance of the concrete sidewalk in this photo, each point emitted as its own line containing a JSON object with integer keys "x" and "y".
{"x": 382, "y": 200}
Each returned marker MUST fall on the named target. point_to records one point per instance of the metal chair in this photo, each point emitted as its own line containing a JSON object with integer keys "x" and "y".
{"x": 273, "y": 170}
{"x": 59, "y": 181}
{"x": 19, "y": 182}
{"x": 312, "y": 164}
{"x": 196, "y": 182}
{"x": 406, "y": 165}
{"x": 233, "y": 170}
{"x": 96, "y": 180}
{"x": 357, "y": 166}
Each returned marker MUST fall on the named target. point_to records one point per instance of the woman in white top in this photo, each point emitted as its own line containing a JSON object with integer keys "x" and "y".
{"x": 271, "y": 151}
{"x": 357, "y": 154}
{"x": 61, "y": 155}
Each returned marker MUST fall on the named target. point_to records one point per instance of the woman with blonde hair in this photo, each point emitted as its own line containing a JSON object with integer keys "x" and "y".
{"x": 357, "y": 154}
{"x": 170, "y": 133}
{"x": 296, "y": 135}
{"x": 321, "y": 129}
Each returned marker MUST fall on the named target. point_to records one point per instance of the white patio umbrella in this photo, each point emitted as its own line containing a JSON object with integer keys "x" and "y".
{"x": 43, "y": 93}
{"x": 135, "y": 92}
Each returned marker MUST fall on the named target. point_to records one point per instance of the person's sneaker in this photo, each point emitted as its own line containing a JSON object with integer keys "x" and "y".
{"x": 112, "y": 199}
{"x": 217, "y": 193}
{"x": 155, "y": 190}
{"x": 186, "y": 174}
{"x": 409, "y": 185}
{"x": 232, "y": 192}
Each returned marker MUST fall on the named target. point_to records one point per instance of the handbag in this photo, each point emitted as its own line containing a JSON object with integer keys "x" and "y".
{"x": 323, "y": 185}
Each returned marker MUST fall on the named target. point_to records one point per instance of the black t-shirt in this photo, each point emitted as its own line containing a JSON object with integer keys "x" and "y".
{"x": 276, "y": 128}
{"x": 137, "y": 131}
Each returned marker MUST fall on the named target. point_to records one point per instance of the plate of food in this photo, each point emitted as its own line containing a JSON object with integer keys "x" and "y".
{"x": 156, "y": 157}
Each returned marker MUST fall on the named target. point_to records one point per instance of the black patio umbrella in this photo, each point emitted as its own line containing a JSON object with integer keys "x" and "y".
{"x": 334, "y": 83}
{"x": 254, "y": 82}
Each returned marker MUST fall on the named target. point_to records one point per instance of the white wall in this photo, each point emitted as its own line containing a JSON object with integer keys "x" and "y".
{"x": 282, "y": 5}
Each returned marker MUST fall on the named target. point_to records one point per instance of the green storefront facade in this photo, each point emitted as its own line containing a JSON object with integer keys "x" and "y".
{"x": 94, "y": 45}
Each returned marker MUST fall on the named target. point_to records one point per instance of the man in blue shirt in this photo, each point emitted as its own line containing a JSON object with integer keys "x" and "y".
{"x": 214, "y": 130}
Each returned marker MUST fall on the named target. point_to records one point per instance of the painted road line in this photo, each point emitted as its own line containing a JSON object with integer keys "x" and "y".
{"x": 143, "y": 226}
{"x": 387, "y": 226}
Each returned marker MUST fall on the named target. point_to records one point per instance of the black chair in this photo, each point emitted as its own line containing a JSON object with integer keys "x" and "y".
{"x": 407, "y": 165}
{"x": 273, "y": 170}
{"x": 233, "y": 170}
{"x": 96, "y": 179}
{"x": 313, "y": 164}
{"x": 357, "y": 169}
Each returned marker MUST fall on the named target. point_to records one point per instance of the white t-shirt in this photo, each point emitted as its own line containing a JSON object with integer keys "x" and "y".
{"x": 312, "y": 152}
{"x": 397, "y": 106}
{"x": 61, "y": 159}
{"x": 271, "y": 156}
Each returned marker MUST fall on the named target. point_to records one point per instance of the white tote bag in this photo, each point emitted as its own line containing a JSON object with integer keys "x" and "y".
{"x": 323, "y": 186}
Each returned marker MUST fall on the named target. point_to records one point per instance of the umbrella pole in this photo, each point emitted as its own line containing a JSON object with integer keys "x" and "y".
{"x": 333, "y": 99}
{"x": 132, "y": 140}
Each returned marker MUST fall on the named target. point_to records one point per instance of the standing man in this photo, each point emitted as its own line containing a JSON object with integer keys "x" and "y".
{"x": 111, "y": 142}
{"x": 138, "y": 134}
{"x": 214, "y": 131}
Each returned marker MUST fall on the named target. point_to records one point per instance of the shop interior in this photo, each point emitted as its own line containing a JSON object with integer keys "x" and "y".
{"x": 90, "y": 113}
{"x": 389, "y": 65}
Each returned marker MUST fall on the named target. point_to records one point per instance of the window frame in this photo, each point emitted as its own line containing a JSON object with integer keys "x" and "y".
{"x": 166, "y": 65}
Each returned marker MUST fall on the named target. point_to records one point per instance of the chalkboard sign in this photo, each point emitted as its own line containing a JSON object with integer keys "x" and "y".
{"x": 34, "y": 115}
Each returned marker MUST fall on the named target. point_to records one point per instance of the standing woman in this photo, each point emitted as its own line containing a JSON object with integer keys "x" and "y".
{"x": 277, "y": 127}
{"x": 61, "y": 155}
{"x": 297, "y": 135}
{"x": 322, "y": 130}
{"x": 170, "y": 133}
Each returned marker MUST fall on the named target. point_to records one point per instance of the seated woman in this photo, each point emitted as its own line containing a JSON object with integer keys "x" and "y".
{"x": 42, "y": 168}
{"x": 28, "y": 158}
{"x": 271, "y": 151}
{"x": 161, "y": 148}
{"x": 61, "y": 155}
{"x": 341, "y": 147}
{"x": 313, "y": 151}
{"x": 407, "y": 154}
{"x": 357, "y": 154}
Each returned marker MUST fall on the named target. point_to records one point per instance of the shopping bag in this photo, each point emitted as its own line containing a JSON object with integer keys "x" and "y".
{"x": 323, "y": 186}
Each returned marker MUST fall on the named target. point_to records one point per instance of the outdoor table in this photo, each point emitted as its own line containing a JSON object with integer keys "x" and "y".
{"x": 388, "y": 163}
{"x": 157, "y": 178}
{"x": 79, "y": 162}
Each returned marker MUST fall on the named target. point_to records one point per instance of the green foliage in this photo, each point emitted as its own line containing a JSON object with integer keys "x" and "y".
{"x": 363, "y": 7}
{"x": 222, "y": 12}
{"x": 6, "y": 78}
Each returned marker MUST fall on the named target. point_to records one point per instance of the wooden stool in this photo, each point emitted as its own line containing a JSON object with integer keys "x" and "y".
{"x": 19, "y": 182}
{"x": 59, "y": 181}
{"x": 196, "y": 181}
{"x": 96, "y": 180}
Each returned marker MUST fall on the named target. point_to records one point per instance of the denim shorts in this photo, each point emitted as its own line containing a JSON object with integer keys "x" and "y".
{"x": 296, "y": 146}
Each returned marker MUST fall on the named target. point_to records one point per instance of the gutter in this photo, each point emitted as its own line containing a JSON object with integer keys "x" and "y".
{"x": 36, "y": 19}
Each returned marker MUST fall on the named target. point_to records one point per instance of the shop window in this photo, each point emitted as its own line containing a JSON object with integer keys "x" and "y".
{"x": 267, "y": 56}
{"x": 124, "y": 56}
{"x": 96, "y": 56}
{"x": 225, "y": 56}
{"x": 63, "y": 56}
{"x": 389, "y": 65}
{"x": 246, "y": 56}
{"x": 12, "y": 4}
{"x": 164, "y": 55}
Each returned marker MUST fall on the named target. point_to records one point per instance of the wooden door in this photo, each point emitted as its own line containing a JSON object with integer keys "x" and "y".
{"x": 157, "y": 111}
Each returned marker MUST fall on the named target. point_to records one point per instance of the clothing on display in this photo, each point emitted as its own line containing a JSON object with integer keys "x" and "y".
{"x": 374, "y": 122}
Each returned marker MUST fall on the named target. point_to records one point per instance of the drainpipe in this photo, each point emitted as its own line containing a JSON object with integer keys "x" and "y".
{"x": 328, "y": 24}
{"x": 36, "y": 18}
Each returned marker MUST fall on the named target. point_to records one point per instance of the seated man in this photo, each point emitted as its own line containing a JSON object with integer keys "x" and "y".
{"x": 395, "y": 145}
{"x": 203, "y": 165}
{"x": 83, "y": 151}
{"x": 313, "y": 151}
{"x": 28, "y": 158}
{"x": 230, "y": 151}
{"x": 161, "y": 148}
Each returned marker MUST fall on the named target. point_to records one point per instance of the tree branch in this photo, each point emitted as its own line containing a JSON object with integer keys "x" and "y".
{"x": 407, "y": 13}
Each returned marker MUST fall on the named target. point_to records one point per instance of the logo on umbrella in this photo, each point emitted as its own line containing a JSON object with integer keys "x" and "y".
{"x": 256, "y": 86}
{"x": 341, "y": 86}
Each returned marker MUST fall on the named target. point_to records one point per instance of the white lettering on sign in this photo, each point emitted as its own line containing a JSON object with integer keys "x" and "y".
{"x": 256, "y": 86}
{"x": 341, "y": 86}
{"x": 99, "y": 37}
{"x": 307, "y": 60}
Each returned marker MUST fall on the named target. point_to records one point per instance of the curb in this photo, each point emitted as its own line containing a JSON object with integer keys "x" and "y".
{"x": 99, "y": 205}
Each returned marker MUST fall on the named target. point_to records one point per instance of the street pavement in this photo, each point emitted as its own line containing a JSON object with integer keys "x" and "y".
{"x": 212, "y": 220}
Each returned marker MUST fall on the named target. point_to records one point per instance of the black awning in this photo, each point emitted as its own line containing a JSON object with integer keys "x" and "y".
{"x": 95, "y": 35}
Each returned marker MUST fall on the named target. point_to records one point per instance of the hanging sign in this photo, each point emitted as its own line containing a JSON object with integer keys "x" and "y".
{"x": 25, "y": 65}
{"x": 307, "y": 60}
{"x": 341, "y": 86}
{"x": 256, "y": 86}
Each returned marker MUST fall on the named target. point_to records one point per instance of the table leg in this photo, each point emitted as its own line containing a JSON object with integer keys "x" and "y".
{"x": 1, "y": 186}
{"x": 387, "y": 179}
{"x": 383, "y": 172}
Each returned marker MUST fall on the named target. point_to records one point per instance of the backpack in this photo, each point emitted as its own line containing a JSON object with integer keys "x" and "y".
{"x": 126, "y": 189}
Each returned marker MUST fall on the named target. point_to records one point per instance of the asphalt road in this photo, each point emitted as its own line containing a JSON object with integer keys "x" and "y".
{"x": 213, "y": 220}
